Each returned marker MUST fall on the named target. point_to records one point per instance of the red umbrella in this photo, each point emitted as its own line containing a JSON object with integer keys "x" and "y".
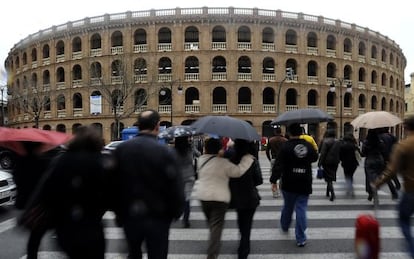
{"x": 14, "y": 139}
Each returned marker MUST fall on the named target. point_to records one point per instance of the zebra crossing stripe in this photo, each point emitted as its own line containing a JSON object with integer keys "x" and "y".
{"x": 7, "y": 224}
{"x": 58, "y": 255}
{"x": 275, "y": 215}
{"x": 113, "y": 233}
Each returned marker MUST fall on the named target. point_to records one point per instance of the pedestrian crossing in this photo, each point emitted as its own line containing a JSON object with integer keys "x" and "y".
{"x": 330, "y": 228}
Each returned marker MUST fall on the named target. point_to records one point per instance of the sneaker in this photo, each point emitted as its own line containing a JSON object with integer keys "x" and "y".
{"x": 301, "y": 244}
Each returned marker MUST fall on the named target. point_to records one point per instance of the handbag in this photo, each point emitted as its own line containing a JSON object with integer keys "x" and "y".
{"x": 319, "y": 173}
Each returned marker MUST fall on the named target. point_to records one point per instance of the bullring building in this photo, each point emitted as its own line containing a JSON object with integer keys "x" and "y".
{"x": 252, "y": 64}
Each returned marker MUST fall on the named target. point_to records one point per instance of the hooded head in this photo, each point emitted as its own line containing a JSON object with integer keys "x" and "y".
{"x": 295, "y": 129}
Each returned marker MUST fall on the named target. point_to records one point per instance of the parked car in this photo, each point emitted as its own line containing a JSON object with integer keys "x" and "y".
{"x": 112, "y": 145}
{"x": 7, "y": 158}
{"x": 7, "y": 188}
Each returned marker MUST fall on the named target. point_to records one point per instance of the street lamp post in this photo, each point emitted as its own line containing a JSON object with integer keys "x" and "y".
{"x": 348, "y": 90}
{"x": 289, "y": 75}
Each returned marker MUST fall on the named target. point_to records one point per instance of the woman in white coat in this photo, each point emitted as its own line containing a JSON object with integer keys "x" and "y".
{"x": 213, "y": 189}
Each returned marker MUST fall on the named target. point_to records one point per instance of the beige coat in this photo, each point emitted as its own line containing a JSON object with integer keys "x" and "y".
{"x": 213, "y": 177}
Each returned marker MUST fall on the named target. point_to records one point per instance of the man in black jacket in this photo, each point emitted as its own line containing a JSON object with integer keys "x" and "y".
{"x": 389, "y": 141}
{"x": 150, "y": 189}
{"x": 294, "y": 166}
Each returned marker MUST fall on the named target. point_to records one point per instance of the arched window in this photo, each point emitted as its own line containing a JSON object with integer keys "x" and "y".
{"x": 140, "y": 37}
{"x": 244, "y": 65}
{"x": 77, "y": 72}
{"x": 77, "y": 101}
{"x": 244, "y": 96}
{"x": 116, "y": 39}
{"x": 219, "y": 64}
{"x": 164, "y": 35}
{"x": 331, "y": 42}
{"x": 191, "y": 65}
{"x": 60, "y": 48}
{"x": 243, "y": 34}
{"x": 191, "y": 34}
{"x": 268, "y": 65}
{"x": 219, "y": 34}
{"x": 268, "y": 96}
{"x": 46, "y": 51}
{"x": 361, "y": 49}
{"x": 96, "y": 42}
{"x": 268, "y": 35}
{"x": 347, "y": 45}
{"x": 219, "y": 95}
{"x": 312, "y": 97}
{"x": 76, "y": 44}
{"x": 312, "y": 40}
{"x": 290, "y": 37}
{"x": 61, "y": 103}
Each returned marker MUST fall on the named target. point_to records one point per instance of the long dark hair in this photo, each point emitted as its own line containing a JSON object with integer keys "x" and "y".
{"x": 373, "y": 139}
{"x": 241, "y": 148}
{"x": 182, "y": 145}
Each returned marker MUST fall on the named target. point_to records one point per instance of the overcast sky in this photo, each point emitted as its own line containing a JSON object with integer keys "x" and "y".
{"x": 18, "y": 19}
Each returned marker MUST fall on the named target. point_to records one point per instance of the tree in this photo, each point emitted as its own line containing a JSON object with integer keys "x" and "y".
{"x": 29, "y": 98}
{"x": 126, "y": 90}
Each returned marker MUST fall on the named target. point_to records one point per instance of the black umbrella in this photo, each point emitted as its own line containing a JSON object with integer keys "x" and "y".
{"x": 176, "y": 131}
{"x": 304, "y": 116}
{"x": 226, "y": 126}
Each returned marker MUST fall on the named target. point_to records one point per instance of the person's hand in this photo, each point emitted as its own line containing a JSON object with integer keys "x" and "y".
{"x": 274, "y": 187}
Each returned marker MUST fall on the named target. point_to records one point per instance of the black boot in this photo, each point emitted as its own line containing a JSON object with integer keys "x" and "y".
{"x": 330, "y": 191}
{"x": 333, "y": 197}
{"x": 186, "y": 217}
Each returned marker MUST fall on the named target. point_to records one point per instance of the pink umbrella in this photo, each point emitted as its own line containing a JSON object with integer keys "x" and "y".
{"x": 14, "y": 139}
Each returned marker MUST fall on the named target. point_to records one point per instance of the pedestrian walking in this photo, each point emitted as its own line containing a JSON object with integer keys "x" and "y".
{"x": 401, "y": 162}
{"x": 74, "y": 193}
{"x": 185, "y": 155}
{"x": 348, "y": 154}
{"x": 245, "y": 197}
{"x": 329, "y": 161}
{"x": 293, "y": 166}
{"x": 273, "y": 148}
{"x": 29, "y": 169}
{"x": 389, "y": 141}
{"x": 372, "y": 150}
{"x": 213, "y": 189}
{"x": 149, "y": 189}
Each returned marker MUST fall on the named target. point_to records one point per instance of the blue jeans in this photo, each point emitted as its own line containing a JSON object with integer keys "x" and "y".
{"x": 405, "y": 210}
{"x": 299, "y": 203}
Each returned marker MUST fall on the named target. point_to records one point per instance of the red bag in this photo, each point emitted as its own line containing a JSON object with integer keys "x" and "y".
{"x": 367, "y": 239}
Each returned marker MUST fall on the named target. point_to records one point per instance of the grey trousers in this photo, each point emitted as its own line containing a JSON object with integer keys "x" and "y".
{"x": 215, "y": 212}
